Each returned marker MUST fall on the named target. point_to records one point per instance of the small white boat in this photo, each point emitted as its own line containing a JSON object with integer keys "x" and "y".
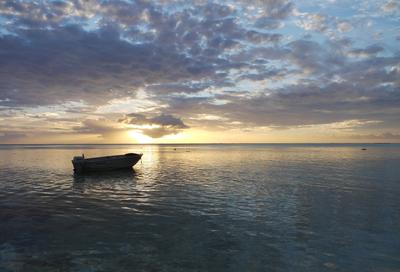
{"x": 106, "y": 163}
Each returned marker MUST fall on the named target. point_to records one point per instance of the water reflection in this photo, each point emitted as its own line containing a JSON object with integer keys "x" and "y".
{"x": 215, "y": 208}
{"x": 116, "y": 185}
{"x": 93, "y": 177}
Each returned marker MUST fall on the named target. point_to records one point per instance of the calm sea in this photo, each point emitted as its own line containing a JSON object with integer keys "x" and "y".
{"x": 202, "y": 208}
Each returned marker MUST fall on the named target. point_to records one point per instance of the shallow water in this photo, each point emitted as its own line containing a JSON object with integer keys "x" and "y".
{"x": 202, "y": 208}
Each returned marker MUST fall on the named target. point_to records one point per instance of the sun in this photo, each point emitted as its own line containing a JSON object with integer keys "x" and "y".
{"x": 139, "y": 137}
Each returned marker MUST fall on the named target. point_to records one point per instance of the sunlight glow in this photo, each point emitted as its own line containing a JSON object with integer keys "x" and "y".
{"x": 139, "y": 137}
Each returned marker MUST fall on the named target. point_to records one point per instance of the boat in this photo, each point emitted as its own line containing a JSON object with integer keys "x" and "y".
{"x": 107, "y": 163}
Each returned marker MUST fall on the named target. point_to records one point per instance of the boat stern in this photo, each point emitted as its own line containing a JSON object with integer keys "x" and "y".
{"x": 78, "y": 162}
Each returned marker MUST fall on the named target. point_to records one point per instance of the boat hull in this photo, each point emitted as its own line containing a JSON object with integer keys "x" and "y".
{"x": 108, "y": 163}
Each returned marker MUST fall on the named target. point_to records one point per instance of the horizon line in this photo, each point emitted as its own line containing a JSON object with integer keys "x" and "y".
{"x": 271, "y": 143}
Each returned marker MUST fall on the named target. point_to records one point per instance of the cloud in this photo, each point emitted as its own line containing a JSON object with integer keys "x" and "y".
{"x": 6, "y": 136}
{"x": 380, "y": 136}
{"x": 162, "y": 120}
{"x": 390, "y": 6}
{"x": 305, "y": 103}
{"x": 96, "y": 126}
{"x": 95, "y": 51}
{"x": 344, "y": 26}
{"x": 159, "y": 132}
{"x": 271, "y": 63}
{"x": 69, "y": 64}
{"x": 371, "y": 50}
{"x": 316, "y": 22}
{"x": 157, "y": 126}
{"x": 168, "y": 120}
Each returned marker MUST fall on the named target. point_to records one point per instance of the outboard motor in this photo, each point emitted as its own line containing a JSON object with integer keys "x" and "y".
{"x": 77, "y": 162}
{"x": 78, "y": 158}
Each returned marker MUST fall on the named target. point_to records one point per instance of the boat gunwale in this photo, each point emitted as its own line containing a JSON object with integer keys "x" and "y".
{"x": 106, "y": 163}
{"x": 125, "y": 156}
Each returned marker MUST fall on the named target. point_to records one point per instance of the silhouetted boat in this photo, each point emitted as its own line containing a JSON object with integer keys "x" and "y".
{"x": 106, "y": 163}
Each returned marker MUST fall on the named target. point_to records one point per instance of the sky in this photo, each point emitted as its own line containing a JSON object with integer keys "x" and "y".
{"x": 272, "y": 71}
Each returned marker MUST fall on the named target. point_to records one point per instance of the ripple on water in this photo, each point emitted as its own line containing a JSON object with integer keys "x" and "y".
{"x": 218, "y": 208}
